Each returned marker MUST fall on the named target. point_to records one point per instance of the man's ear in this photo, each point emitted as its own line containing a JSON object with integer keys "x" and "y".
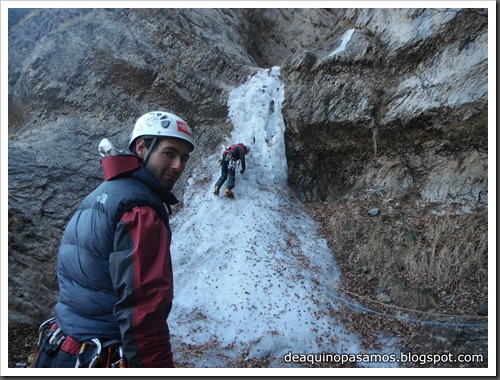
{"x": 140, "y": 148}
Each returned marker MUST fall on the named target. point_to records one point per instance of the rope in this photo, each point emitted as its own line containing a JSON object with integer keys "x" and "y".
{"x": 401, "y": 318}
{"x": 410, "y": 310}
{"x": 411, "y": 319}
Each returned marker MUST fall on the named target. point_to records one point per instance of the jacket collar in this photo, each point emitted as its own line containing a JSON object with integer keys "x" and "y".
{"x": 121, "y": 166}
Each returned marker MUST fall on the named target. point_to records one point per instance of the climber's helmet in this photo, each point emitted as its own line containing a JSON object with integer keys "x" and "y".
{"x": 159, "y": 124}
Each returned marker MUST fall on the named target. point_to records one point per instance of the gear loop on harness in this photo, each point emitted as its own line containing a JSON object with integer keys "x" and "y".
{"x": 91, "y": 353}
{"x": 95, "y": 360}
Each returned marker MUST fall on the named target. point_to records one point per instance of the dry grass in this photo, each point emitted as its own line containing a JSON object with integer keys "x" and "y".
{"x": 421, "y": 260}
{"x": 430, "y": 268}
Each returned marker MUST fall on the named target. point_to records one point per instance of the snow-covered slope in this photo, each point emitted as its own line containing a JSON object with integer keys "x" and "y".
{"x": 253, "y": 274}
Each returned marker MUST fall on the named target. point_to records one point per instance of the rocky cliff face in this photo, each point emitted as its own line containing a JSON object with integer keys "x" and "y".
{"x": 393, "y": 112}
{"x": 386, "y": 103}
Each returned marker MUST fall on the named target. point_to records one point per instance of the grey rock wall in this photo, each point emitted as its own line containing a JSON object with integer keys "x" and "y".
{"x": 400, "y": 108}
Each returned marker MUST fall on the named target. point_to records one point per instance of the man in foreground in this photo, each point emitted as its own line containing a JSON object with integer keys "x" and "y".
{"x": 114, "y": 263}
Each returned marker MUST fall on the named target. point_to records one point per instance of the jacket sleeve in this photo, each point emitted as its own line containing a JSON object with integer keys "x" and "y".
{"x": 141, "y": 271}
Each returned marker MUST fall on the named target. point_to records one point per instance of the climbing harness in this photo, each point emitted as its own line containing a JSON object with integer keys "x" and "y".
{"x": 91, "y": 353}
{"x": 231, "y": 165}
{"x": 228, "y": 157}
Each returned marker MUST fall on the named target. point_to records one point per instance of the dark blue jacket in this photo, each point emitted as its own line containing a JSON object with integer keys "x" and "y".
{"x": 114, "y": 265}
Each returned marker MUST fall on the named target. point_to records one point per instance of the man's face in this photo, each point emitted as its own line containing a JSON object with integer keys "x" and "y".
{"x": 167, "y": 161}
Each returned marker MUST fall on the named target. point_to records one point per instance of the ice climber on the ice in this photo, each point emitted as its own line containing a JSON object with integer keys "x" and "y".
{"x": 232, "y": 154}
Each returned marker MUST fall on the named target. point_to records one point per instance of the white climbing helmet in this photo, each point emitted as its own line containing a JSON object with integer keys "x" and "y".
{"x": 162, "y": 124}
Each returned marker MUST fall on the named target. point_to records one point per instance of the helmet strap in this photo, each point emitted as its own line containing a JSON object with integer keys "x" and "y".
{"x": 150, "y": 149}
